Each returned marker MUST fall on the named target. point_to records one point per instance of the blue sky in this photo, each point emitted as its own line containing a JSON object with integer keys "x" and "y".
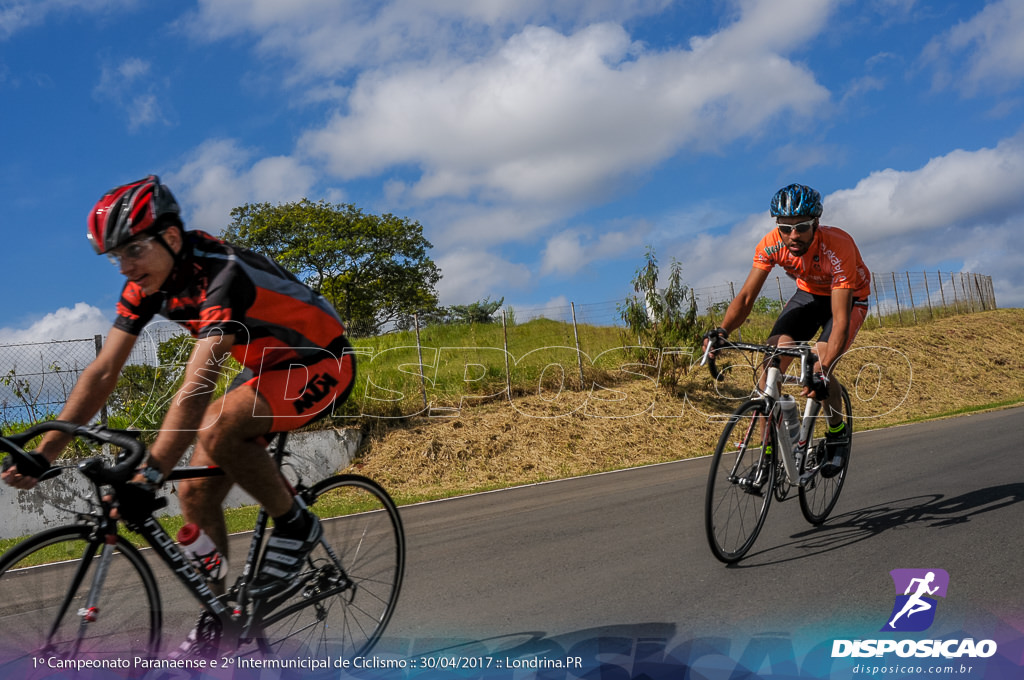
{"x": 542, "y": 144}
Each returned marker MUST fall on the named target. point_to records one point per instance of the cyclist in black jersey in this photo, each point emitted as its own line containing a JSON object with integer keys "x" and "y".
{"x": 290, "y": 341}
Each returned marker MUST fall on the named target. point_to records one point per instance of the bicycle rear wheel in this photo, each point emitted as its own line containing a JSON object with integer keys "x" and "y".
{"x": 44, "y": 585}
{"x": 740, "y": 482}
{"x": 818, "y": 496}
{"x": 353, "y": 578}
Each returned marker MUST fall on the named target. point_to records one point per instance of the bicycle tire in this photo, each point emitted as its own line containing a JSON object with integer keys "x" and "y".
{"x": 819, "y": 495}
{"x": 324, "y": 620}
{"x": 44, "y": 582}
{"x": 734, "y": 510}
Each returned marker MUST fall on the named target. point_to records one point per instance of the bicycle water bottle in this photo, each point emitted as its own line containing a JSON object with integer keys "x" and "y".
{"x": 201, "y": 551}
{"x": 791, "y": 415}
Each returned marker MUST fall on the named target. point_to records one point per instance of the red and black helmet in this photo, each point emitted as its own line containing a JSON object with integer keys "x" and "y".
{"x": 129, "y": 210}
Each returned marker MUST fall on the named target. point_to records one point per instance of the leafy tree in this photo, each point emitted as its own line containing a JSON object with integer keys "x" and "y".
{"x": 374, "y": 269}
{"x": 481, "y": 311}
{"x": 660, "y": 317}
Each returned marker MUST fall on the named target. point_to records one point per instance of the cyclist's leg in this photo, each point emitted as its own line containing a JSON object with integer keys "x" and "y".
{"x": 834, "y": 410}
{"x": 799, "y": 320}
{"x": 201, "y": 501}
{"x": 289, "y": 396}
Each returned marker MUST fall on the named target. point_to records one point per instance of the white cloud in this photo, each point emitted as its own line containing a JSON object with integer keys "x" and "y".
{"x": 511, "y": 116}
{"x": 131, "y": 87}
{"x": 965, "y": 207}
{"x": 559, "y": 118}
{"x": 218, "y": 177}
{"x": 67, "y": 323}
{"x": 570, "y": 251}
{"x": 330, "y": 37}
{"x": 983, "y": 53}
{"x": 471, "y": 275}
{"x": 16, "y": 15}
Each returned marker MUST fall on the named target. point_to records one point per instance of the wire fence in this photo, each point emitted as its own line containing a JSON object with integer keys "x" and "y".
{"x": 36, "y": 378}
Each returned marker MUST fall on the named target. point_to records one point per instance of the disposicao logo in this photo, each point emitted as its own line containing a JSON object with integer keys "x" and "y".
{"x": 916, "y": 590}
{"x": 914, "y": 611}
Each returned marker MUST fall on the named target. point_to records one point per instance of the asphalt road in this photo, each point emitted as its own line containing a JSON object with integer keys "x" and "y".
{"x": 624, "y": 554}
{"x": 620, "y": 562}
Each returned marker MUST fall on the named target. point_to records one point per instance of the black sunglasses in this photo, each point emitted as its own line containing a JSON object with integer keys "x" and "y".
{"x": 801, "y": 228}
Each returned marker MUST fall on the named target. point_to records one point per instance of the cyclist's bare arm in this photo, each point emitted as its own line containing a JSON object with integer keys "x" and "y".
{"x": 87, "y": 397}
{"x": 739, "y": 308}
{"x": 828, "y": 354}
{"x": 188, "y": 407}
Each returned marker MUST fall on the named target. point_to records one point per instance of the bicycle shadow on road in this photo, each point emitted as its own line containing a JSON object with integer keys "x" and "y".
{"x": 930, "y": 511}
{"x": 654, "y": 650}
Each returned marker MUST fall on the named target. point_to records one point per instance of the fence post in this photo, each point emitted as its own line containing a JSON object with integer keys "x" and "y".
{"x": 967, "y": 295}
{"x": 956, "y": 301}
{"x": 508, "y": 370}
{"x": 878, "y": 308}
{"x": 942, "y": 293}
{"x": 98, "y": 342}
{"x": 896, "y": 294}
{"x": 928, "y": 296}
{"x": 778, "y": 281}
{"x": 910, "y": 291}
{"x": 981, "y": 296}
{"x": 576, "y": 336}
{"x": 419, "y": 354}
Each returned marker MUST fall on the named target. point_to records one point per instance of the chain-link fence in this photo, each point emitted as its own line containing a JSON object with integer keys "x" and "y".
{"x": 36, "y": 378}
{"x": 896, "y": 299}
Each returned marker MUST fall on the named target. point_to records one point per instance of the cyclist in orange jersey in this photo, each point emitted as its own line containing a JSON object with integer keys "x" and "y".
{"x": 833, "y": 285}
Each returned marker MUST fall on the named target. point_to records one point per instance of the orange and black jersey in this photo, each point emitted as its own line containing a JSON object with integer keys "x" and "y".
{"x": 220, "y": 288}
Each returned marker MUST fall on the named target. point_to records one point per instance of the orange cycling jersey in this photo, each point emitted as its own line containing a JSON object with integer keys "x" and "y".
{"x": 832, "y": 261}
{"x": 220, "y": 288}
{"x": 289, "y": 339}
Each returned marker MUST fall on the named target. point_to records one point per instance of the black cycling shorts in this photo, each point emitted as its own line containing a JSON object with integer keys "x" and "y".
{"x": 805, "y": 313}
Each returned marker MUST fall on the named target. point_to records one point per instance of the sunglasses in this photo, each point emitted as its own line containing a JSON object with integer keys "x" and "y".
{"x": 133, "y": 251}
{"x": 801, "y": 228}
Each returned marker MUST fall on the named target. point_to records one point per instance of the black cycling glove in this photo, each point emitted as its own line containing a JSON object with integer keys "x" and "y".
{"x": 38, "y": 467}
{"x": 716, "y": 336}
{"x": 819, "y": 385}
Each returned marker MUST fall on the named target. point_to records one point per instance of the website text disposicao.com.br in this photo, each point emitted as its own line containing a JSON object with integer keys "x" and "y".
{"x": 959, "y": 657}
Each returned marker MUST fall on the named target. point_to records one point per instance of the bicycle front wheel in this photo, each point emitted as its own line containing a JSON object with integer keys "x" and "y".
{"x": 353, "y": 578}
{"x": 818, "y": 495}
{"x": 47, "y": 612}
{"x": 740, "y": 482}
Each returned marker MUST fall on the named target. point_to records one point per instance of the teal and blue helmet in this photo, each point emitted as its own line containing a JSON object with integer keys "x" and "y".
{"x": 796, "y": 200}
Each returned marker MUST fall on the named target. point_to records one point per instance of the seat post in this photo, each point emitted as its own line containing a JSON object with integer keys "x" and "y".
{"x": 279, "y": 442}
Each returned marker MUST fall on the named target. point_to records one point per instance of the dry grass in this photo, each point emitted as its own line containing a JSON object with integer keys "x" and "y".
{"x": 894, "y": 375}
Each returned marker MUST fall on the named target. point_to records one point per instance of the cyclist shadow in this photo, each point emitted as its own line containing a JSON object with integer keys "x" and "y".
{"x": 933, "y": 511}
{"x": 629, "y": 650}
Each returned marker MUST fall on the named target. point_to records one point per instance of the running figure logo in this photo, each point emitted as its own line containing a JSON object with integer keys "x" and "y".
{"x": 916, "y": 589}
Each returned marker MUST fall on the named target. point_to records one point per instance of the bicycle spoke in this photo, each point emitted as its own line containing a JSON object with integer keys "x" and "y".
{"x": 819, "y": 494}
{"x": 350, "y": 593}
{"x": 740, "y": 484}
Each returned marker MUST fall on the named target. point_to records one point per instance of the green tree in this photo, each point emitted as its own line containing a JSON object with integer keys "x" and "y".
{"x": 481, "y": 311}
{"x": 660, "y": 317}
{"x": 374, "y": 269}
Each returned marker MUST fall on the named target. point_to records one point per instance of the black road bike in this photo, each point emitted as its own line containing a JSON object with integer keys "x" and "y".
{"x": 84, "y": 591}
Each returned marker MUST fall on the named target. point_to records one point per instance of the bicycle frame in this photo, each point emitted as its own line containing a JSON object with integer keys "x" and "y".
{"x": 791, "y": 454}
{"x": 238, "y": 621}
{"x": 318, "y": 606}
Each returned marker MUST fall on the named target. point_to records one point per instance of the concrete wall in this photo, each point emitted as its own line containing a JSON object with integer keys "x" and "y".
{"x": 315, "y": 455}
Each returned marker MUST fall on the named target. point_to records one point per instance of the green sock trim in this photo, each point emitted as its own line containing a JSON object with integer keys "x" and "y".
{"x": 837, "y": 428}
